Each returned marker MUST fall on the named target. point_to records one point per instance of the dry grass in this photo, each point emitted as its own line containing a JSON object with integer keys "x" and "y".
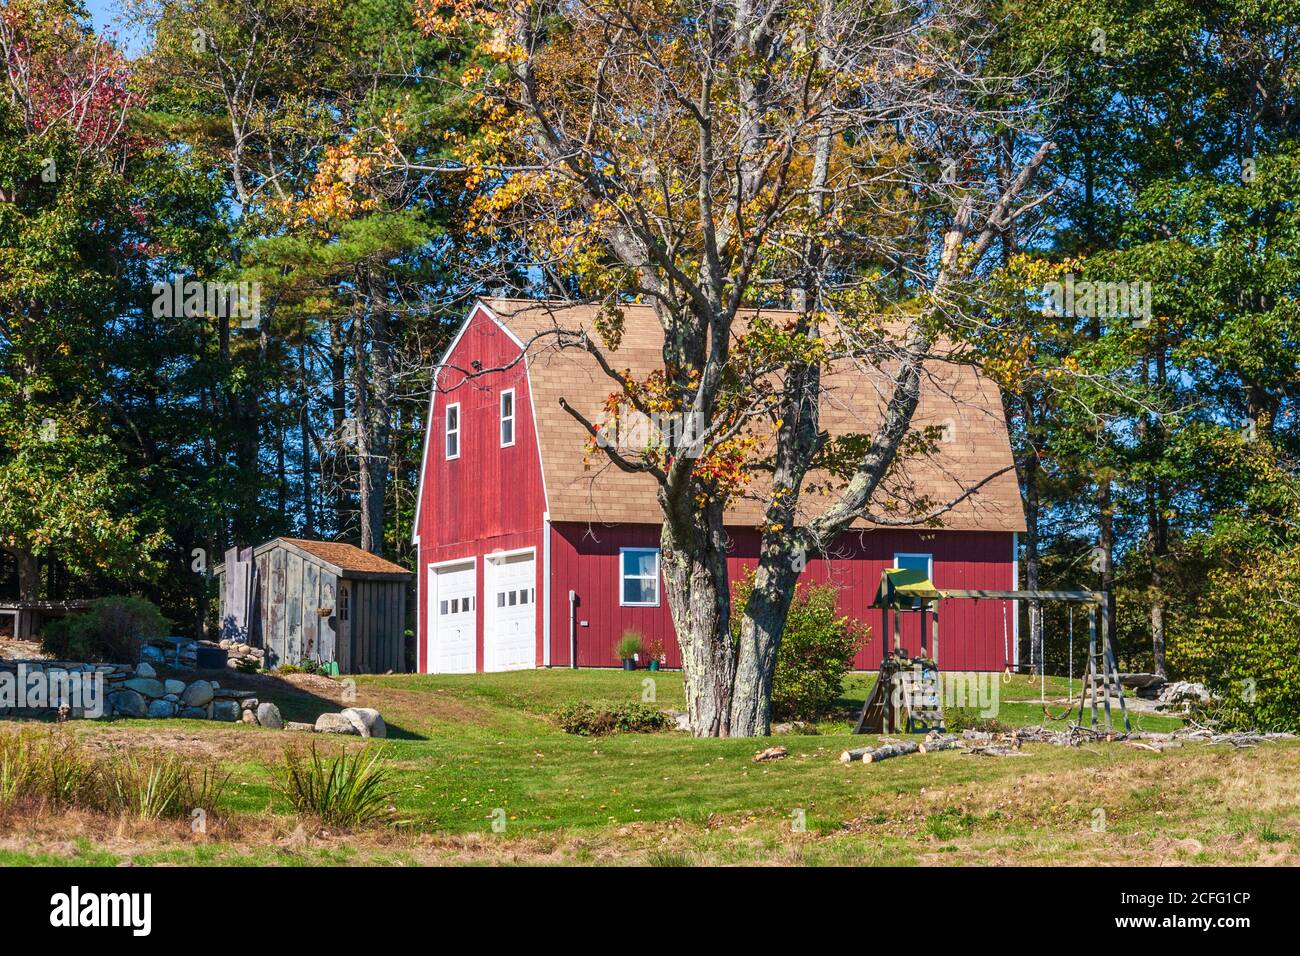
{"x": 1201, "y": 806}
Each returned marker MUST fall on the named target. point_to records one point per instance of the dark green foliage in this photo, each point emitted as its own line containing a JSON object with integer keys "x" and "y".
{"x": 1243, "y": 643}
{"x": 601, "y": 718}
{"x": 817, "y": 650}
{"x": 113, "y": 630}
{"x": 957, "y": 719}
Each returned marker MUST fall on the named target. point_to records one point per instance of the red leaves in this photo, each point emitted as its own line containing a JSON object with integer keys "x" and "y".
{"x": 62, "y": 73}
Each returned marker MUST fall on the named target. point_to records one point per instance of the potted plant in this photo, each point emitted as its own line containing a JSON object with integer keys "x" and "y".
{"x": 628, "y": 649}
{"x": 655, "y": 652}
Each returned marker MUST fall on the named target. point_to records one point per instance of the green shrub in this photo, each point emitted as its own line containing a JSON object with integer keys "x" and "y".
{"x": 816, "y": 652}
{"x": 957, "y": 719}
{"x": 1242, "y": 641}
{"x": 349, "y": 791}
{"x": 113, "y": 629}
{"x": 600, "y": 718}
{"x": 629, "y": 646}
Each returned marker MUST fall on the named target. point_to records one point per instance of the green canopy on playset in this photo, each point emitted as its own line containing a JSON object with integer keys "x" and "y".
{"x": 905, "y": 588}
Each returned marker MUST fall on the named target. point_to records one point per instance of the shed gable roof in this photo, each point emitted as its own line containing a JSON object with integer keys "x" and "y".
{"x": 345, "y": 559}
{"x": 854, "y": 401}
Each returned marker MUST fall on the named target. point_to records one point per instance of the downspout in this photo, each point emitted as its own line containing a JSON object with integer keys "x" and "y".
{"x": 546, "y": 589}
{"x": 573, "y": 630}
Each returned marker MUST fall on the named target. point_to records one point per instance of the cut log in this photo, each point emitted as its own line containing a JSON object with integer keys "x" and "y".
{"x": 857, "y": 753}
{"x": 935, "y": 744}
{"x": 890, "y": 750}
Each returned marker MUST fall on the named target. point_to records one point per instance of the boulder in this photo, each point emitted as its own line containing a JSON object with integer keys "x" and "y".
{"x": 145, "y": 669}
{"x": 162, "y": 708}
{"x": 147, "y": 687}
{"x": 367, "y": 721}
{"x": 268, "y": 715}
{"x": 226, "y": 710}
{"x": 174, "y": 686}
{"x": 336, "y": 724}
{"x": 194, "y": 713}
{"x": 249, "y": 703}
{"x": 229, "y": 693}
{"x": 249, "y": 717}
{"x": 127, "y": 703}
{"x": 198, "y": 694}
{"x": 299, "y": 726}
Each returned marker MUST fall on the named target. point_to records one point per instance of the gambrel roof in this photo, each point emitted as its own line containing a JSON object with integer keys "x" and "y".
{"x": 955, "y": 396}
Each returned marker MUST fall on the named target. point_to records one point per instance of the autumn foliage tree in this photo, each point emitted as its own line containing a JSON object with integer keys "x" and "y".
{"x": 712, "y": 157}
{"x": 71, "y": 239}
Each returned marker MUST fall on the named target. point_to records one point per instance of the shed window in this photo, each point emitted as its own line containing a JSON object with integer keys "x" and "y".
{"x": 343, "y": 604}
{"x": 507, "y": 418}
{"x": 639, "y": 577}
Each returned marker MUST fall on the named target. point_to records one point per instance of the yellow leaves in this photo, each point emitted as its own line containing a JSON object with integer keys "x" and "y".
{"x": 338, "y": 190}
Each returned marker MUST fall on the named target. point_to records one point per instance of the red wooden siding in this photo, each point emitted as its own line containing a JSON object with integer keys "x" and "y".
{"x": 585, "y": 558}
{"x": 490, "y": 498}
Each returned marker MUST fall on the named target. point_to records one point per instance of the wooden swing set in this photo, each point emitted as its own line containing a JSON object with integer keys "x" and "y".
{"x": 908, "y": 698}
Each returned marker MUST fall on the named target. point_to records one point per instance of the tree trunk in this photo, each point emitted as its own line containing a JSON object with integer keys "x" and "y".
{"x": 380, "y": 408}
{"x": 304, "y": 436}
{"x": 338, "y": 409}
{"x": 1158, "y": 523}
{"x": 29, "y": 577}
{"x": 694, "y": 564}
{"x": 1106, "y": 546}
{"x": 1029, "y": 477}
{"x": 361, "y": 410}
{"x": 760, "y": 639}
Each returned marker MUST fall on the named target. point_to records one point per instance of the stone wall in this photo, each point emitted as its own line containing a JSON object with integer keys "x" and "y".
{"x": 129, "y": 692}
{"x": 139, "y": 692}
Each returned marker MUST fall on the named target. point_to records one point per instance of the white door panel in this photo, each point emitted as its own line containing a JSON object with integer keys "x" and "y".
{"x": 511, "y": 615}
{"x": 452, "y": 620}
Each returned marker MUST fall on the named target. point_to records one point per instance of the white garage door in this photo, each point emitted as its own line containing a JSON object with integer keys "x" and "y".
{"x": 451, "y": 611}
{"x": 511, "y": 617}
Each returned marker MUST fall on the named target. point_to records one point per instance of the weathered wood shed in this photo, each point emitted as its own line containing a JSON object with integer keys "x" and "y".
{"x": 319, "y": 600}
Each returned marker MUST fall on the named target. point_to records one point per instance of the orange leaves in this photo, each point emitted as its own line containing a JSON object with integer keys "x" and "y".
{"x": 338, "y": 190}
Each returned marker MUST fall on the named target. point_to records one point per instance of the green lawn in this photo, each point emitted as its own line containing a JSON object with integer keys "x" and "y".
{"x": 466, "y": 749}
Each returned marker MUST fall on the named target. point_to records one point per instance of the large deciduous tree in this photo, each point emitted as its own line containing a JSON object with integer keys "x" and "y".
{"x": 838, "y": 158}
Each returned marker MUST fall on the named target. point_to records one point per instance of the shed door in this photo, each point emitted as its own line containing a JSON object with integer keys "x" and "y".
{"x": 511, "y": 618}
{"x": 451, "y": 613}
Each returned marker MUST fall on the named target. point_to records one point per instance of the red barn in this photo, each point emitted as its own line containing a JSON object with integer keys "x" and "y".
{"x": 527, "y": 550}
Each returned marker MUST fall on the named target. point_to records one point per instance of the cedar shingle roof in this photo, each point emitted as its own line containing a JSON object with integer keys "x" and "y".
{"x": 854, "y": 401}
{"x": 346, "y": 557}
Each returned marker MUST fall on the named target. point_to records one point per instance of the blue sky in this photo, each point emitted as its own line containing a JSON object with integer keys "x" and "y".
{"x": 104, "y": 13}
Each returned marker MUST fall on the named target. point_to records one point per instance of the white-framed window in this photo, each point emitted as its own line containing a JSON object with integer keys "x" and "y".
{"x": 507, "y": 418}
{"x": 915, "y": 562}
{"x": 453, "y": 431}
{"x": 638, "y": 577}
